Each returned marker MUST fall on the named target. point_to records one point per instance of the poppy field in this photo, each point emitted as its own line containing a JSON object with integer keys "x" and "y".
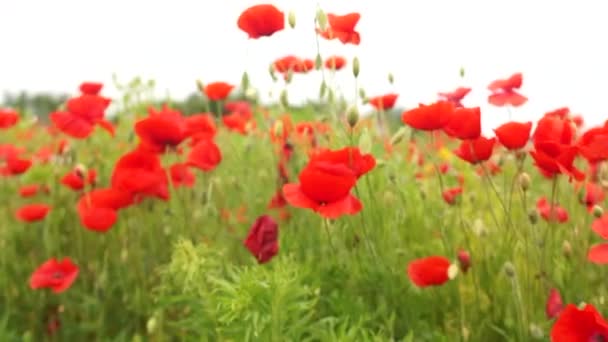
{"x": 125, "y": 220}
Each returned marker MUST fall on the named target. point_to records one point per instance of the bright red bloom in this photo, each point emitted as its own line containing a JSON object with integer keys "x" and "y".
{"x": 141, "y": 173}
{"x": 600, "y": 226}
{"x": 8, "y": 118}
{"x": 218, "y": 91}
{"x": 514, "y": 135}
{"x": 32, "y": 212}
{"x": 554, "y": 304}
{"x": 350, "y": 157}
{"x": 241, "y": 107}
{"x": 450, "y": 195}
{"x": 325, "y": 188}
{"x": 31, "y": 190}
{"x": 83, "y": 113}
{"x": 465, "y": 123}
{"x": 476, "y": 150}
{"x": 503, "y": 92}
{"x": 56, "y": 275}
{"x": 261, "y": 21}
{"x": 205, "y": 155}
{"x": 262, "y": 240}
{"x": 237, "y": 123}
{"x": 429, "y": 271}
{"x": 558, "y": 213}
{"x": 14, "y": 165}
{"x": 456, "y": 96}
{"x": 429, "y": 117}
{"x": 553, "y": 129}
{"x": 181, "y": 175}
{"x": 90, "y": 88}
{"x": 593, "y": 144}
{"x": 598, "y": 254}
{"x": 98, "y": 208}
{"x": 163, "y": 129}
{"x": 384, "y": 102}
{"x": 335, "y": 62}
{"x": 574, "y": 324}
{"x": 77, "y": 179}
{"x": 199, "y": 127}
{"x": 594, "y": 194}
{"x": 342, "y": 27}
{"x": 552, "y": 159}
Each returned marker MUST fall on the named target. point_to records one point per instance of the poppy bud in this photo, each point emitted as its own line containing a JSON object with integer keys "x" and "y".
{"x": 284, "y": 100}
{"x": 464, "y": 259}
{"x": 598, "y": 211}
{"x": 509, "y": 269}
{"x": 536, "y": 331}
{"x": 533, "y": 216}
{"x": 321, "y": 19}
{"x": 322, "y": 89}
{"x": 567, "y": 249}
{"x": 524, "y": 181}
{"x": 362, "y": 93}
{"x": 200, "y": 86}
{"x": 391, "y": 79}
{"x": 461, "y": 72}
{"x": 398, "y": 136}
{"x": 245, "y": 81}
{"x": 331, "y": 96}
{"x": 271, "y": 72}
{"x": 356, "y": 67}
{"x": 352, "y": 117}
{"x": 318, "y": 62}
{"x": 291, "y": 19}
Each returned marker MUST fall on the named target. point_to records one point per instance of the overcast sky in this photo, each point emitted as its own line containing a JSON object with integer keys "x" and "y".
{"x": 559, "y": 46}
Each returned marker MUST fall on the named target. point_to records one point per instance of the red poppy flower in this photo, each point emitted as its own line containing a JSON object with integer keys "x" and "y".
{"x": 237, "y": 123}
{"x": 554, "y": 304}
{"x": 54, "y": 274}
{"x": 325, "y": 188}
{"x": 166, "y": 128}
{"x": 598, "y": 254}
{"x": 77, "y": 179}
{"x": 450, "y": 195}
{"x": 335, "y": 62}
{"x": 558, "y": 213}
{"x": 476, "y": 150}
{"x": 429, "y": 271}
{"x": 31, "y": 190}
{"x": 241, "y": 107}
{"x": 141, "y": 173}
{"x": 574, "y": 324}
{"x": 262, "y": 240}
{"x": 503, "y": 92}
{"x": 32, "y": 212}
{"x": 465, "y": 123}
{"x": 97, "y": 209}
{"x": 384, "y": 102}
{"x": 553, "y": 129}
{"x": 464, "y": 259}
{"x": 514, "y": 135}
{"x": 90, "y": 88}
{"x": 600, "y": 226}
{"x": 199, "y": 127}
{"x": 594, "y": 194}
{"x": 350, "y": 157}
{"x": 455, "y": 96}
{"x": 593, "y": 144}
{"x": 8, "y": 118}
{"x": 429, "y": 117}
{"x": 342, "y": 27}
{"x": 14, "y": 165}
{"x": 205, "y": 155}
{"x": 181, "y": 175}
{"x": 83, "y": 113}
{"x": 218, "y": 91}
{"x": 277, "y": 201}
{"x": 552, "y": 159}
{"x": 261, "y": 21}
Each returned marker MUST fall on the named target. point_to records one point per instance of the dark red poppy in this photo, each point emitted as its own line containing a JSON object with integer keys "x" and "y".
{"x": 342, "y": 27}
{"x": 8, "y": 118}
{"x": 503, "y": 92}
{"x": 205, "y": 155}
{"x": 262, "y": 240}
{"x": 218, "y": 91}
{"x": 476, "y": 150}
{"x": 54, "y": 274}
{"x": 335, "y": 62}
{"x": 465, "y": 123}
{"x": 384, "y": 102}
{"x": 429, "y": 117}
{"x": 325, "y": 188}
{"x": 261, "y": 21}
{"x": 514, "y": 135}
{"x": 429, "y": 271}
{"x": 455, "y": 96}
{"x": 464, "y": 259}
{"x": 574, "y": 324}
{"x": 32, "y": 212}
{"x": 554, "y": 304}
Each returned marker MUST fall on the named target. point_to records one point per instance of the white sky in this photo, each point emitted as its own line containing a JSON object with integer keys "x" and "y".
{"x": 558, "y": 45}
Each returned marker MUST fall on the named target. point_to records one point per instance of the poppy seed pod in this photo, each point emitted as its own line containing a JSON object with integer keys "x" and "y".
{"x": 321, "y": 20}
{"x": 391, "y": 78}
{"x": 598, "y": 211}
{"x": 318, "y": 62}
{"x": 533, "y": 216}
{"x": 291, "y": 19}
{"x": 352, "y": 117}
{"x": 356, "y": 67}
{"x": 200, "y": 86}
{"x": 524, "y": 181}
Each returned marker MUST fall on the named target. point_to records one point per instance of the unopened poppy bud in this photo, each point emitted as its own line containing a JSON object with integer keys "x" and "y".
{"x": 318, "y": 62}
{"x": 464, "y": 259}
{"x": 461, "y": 72}
{"x": 391, "y": 78}
{"x": 331, "y": 96}
{"x": 284, "y": 99}
{"x": 291, "y": 19}
{"x": 398, "y": 136}
{"x": 200, "y": 86}
{"x": 271, "y": 71}
{"x": 151, "y": 325}
{"x": 322, "y": 89}
{"x": 356, "y": 67}
{"x": 321, "y": 19}
{"x": 524, "y": 181}
{"x": 536, "y": 331}
{"x": 278, "y": 128}
{"x": 567, "y": 248}
{"x": 598, "y": 211}
{"x": 352, "y": 117}
{"x": 245, "y": 81}
{"x": 533, "y": 216}
{"x": 362, "y": 93}
{"x": 509, "y": 269}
